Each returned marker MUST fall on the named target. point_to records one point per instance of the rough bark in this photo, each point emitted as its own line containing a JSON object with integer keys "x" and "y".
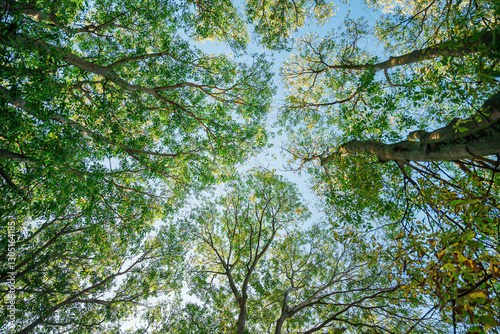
{"x": 479, "y": 137}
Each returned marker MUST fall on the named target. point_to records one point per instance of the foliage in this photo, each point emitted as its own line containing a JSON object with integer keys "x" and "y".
{"x": 258, "y": 271}
{"x": 109, "y": 118}
{"x": 89, "y": 278}
{"x": 276, "y": 20}
{"x": 235, "y": 233}
{"x": 452, "y": 253}
{"x": 443, "y": 66}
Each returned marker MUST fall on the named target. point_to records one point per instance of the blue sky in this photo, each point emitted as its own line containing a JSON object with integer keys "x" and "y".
{"x": 273, "y": 157}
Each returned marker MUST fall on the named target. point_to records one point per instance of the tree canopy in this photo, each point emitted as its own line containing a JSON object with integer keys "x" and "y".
{"x": 123, "y": 144}
{"x": 109, "y": 119}
{"x": 410, "y": 141}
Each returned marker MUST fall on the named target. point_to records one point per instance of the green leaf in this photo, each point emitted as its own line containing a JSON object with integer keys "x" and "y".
{"x": 488, "y": 320}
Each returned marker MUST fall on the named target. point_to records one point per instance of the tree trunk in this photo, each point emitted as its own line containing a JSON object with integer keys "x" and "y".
{"x": 474, "y": 137}
{"x": 453, "y": 48}
{"x": 242, "y": 318}
{"x": 285, "y": 310}
{"x": 279, "y": 323}
{"x": 4, "y": 154}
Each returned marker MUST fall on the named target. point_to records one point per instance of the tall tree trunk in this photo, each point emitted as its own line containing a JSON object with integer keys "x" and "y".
{"x": 279, "y": 323}
{"x": 242, "y": 318}
{"x": 474, "y": 137}
{"x": 285, "y": 310}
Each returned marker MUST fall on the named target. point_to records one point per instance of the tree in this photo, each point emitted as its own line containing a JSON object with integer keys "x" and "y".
{"x": 339, "y": 282}
{"x": 253, "y": 266}
{"x": 109, "y": 118}
{"x": 477, "y": 136}
{"x": 89, "y": 279}
{"x": 153, "y": 123}
{"x": 234, "y": 240}
{"x": 345, "y": 104}
{"x": 73, "y": 110}
{"x": 276, "y": 20}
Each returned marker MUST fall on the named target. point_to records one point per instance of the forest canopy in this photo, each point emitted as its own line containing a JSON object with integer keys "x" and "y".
{"x": 130, "y": 203}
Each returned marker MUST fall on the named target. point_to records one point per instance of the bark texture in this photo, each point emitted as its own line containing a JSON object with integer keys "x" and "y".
{"x": 477, "y": 136}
